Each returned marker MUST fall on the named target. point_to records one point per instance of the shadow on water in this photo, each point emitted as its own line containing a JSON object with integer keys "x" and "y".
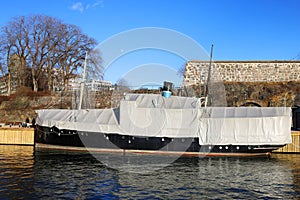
{"x": 65, "y": 175}
{"x": 68, "y": 175}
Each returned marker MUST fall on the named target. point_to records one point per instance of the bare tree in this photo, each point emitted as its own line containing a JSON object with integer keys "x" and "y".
{"x": 73, "y": 46}
{"x": 3, "y": 69}
{"x": 94, "y": 65}
{"x": 4, "y": 55}
{"x": 48, "y": 47}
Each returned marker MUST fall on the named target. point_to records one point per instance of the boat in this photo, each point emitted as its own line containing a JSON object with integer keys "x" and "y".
{"x": 159, "y": 124}
{"x": 166, "y": 124}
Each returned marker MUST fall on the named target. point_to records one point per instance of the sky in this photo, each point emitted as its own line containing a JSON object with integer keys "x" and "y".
{"x": 239, "y": 29}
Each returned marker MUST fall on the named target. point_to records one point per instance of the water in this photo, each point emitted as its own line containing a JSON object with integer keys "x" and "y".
{"x": 57, "y": 175}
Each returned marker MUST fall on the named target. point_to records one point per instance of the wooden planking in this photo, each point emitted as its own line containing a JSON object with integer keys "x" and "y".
{"x": 19, "y": 136}
{"x": 294, "y": 147}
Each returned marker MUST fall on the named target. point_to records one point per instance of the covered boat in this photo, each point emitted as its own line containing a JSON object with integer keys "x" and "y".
{"x": 148, "y": 123}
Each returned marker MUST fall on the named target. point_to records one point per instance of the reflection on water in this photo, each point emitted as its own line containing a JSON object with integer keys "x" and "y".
{"x": 16, "y": 171}
{"x": 25, "y": 174}
{"x": 219, "y": 178}
{"x": 293, "y": 164}
{"x": 74, "y": 175}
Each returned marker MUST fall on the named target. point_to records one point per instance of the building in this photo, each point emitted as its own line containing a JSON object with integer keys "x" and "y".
{"x": 93, "y": 85}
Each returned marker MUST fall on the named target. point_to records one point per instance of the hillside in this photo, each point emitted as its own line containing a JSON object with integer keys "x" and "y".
{"x": 23, "y": 103}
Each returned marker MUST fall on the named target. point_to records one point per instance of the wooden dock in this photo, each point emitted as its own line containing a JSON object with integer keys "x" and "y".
{"x": 16, "y": 136}
{"x": 294, "y": 147}
{"x": 25, "y": 136}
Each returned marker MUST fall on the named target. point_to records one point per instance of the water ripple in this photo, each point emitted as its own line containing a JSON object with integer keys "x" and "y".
{"x": 55, "y": 175}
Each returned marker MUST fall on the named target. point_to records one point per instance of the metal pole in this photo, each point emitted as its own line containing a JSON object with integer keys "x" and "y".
{"x": 209, "y": 69}
{"x": 82, "y": 82}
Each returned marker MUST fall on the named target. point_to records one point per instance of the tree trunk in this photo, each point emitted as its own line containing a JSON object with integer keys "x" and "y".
{"x": 66, "y": 85}
{"x": 50, "y": 82}
{"x": 34, "y": 81}
{"x": 35, "y": 85}
{"x": 9, "y": 73}
{"x": 9, "y": 83}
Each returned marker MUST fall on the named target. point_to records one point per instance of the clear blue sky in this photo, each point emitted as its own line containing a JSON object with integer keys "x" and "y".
{"x": 239, "y": 29}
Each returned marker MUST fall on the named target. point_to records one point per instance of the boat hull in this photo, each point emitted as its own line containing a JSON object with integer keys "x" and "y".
{"x": 54, "y": 138}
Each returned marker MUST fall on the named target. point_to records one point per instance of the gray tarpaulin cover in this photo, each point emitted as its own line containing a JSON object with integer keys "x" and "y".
{"x": 155, "y": 116}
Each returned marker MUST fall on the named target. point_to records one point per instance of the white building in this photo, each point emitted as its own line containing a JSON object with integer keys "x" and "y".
{"x": 93, "y": 85}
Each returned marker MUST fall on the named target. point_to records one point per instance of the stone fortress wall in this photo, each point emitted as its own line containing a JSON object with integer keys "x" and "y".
{"x": 243, "y": 71}
{"x": 260, "y": 83}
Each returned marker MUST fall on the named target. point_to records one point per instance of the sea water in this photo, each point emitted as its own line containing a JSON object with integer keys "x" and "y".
{"x": 28, "y": 174}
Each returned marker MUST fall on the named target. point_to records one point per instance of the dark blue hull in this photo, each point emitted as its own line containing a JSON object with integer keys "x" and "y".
{"x": 52, "y": 137}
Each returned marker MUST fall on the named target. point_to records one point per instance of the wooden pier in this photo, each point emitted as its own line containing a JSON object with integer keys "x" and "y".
{"x": 16, "y": 136}
{"x": 294, "y": 147}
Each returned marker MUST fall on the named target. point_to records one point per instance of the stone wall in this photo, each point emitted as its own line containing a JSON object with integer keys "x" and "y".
{"x": 262, "y": 83}
{"x": 243, "y": 71}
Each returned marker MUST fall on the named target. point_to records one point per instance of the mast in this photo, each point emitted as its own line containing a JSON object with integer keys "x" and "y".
{"x": 82, "y": 82}
{"x": 209, "y": 70}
